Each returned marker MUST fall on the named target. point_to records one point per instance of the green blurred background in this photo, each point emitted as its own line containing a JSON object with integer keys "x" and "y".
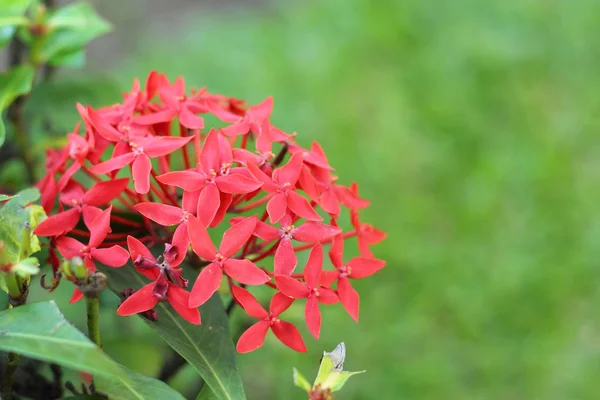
{"x": 473, "y": 128}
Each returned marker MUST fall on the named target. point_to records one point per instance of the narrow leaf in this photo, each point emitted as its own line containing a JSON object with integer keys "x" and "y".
{"x": 14, "y": 83}
{"x": 11, "y": 16}
{"x": 207, "y": 347}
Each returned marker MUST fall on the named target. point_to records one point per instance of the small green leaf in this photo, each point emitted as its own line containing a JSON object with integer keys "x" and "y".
{"x": 75, "y": 59}
{"x": 2, "y": 130}
{"x": 300, "y": 381}
{"x": 4, "y": 197}
{"x": 206, "y": 394}
{"x": 207, "y": 347}
{"x": 73, "y": 26}
{"x": 18, "y": 218}
{"x": 26, "y": 267}
{"x": 331, "y": 374}
{"x": 11, "y": 16}
{"x": 14, "y": 83}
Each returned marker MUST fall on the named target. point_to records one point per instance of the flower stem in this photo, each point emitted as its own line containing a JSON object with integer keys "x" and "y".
{"x": 93, "y": 319}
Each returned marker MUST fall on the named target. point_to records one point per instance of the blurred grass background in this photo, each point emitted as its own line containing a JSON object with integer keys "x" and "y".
{"x": 473, "y": 128}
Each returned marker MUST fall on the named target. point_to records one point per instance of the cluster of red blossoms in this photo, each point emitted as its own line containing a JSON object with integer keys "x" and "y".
{"x": 178, "y": 181}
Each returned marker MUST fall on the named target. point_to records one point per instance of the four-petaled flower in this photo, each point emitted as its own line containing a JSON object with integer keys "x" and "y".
{"x": 234, "y": 238}
{"x": 311, "y": 290}
{"x": 254, "y": 337}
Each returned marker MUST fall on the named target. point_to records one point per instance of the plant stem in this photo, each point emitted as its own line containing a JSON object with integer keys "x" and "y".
{"x": 93, "y": 319}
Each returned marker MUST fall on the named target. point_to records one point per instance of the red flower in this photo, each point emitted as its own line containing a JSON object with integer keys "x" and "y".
{"x": 139, "y": 158}
{"x": 214, "y": 178}
{"x": 114, "y": 256}
{"x": 254, "y": 337}
{"x": 250, "y": 122}
{"x": 366, "y": 234}
{"x": 82, "y": 203}
{"x": 234, "y": 238}
{"x": 312, "y": 290}
{"x": 309, "y": 232}
{"x": 168, "y": 284}
{"x": 356, "y": 268}
{"x": 282, "y": 187}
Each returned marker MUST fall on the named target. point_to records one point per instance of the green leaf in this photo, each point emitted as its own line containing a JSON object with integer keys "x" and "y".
{"x": 138, "y": 387}
{"x": 2, "y": 130}
{"x": 206, "y": 394}
{"x": 17, "y": 220}
{"x": 14, "y": 83}
{"x": 207, "y": 347}
{"x": 11, "y": 16}
{"x": 331, "y": 374}
{"x": 4, "y": 197}
{"x": 300, "y": 381}
{"x": 40, "y": 331}
{"x": 73, "y": 26}
{"x": 51, "y": 338}
{"x": 75, "y": 59}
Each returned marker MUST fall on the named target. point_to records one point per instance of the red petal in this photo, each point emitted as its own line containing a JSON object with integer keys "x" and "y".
{"x": 113, "y": 164}
{"x": 208, "y": 204}
{"x": 328, "y": 296}
{"x": 349, "y": 199}
{"x": 163, "y": 145}
{"x": 363, "y": 267}
{"x": 140, "y": 169}
{"x": 301, "y": 207}
{"x": 348, "y": 297}
{"x": 279, "y": 303}
{"x": 190, "y": 181}
{"x": 276, "y": 207}
{"x": 285, "y": 258}
{"x": 312, "y": 314}
{"x": 263, "y": 110}
{"x": 99, "y": 228}
{"x": 189, "y": 119}
{"x": 201, "y": 242}
{"x": 58, "y": 224}
{"x": 189, "y": 201}
{"x": 69, "y": 247}
{"x": 240, "y": 128}
{"x": 225, "y": 202}
{"x": 162, "y": 214}
{"x": 308, "y": 184}
{"x": 253, "y": 338}
{"x": 179, "y": 300}
{"x": 210, "y": 153}
{"x": 236, "y": 236}
{"x": 268, "y": 183}
{"x": 288, "y": 334}
{"x": 245, "y": 271}
{"x": 329, "y": 203}
{"x": 114, "y": 256}
{"x": 136, "y": 249}
{"x": 336, "y": 253}
{"x": 314, "y": 265}
{"x": 90, "y": 213}
{"x": 311, "y": 232}
{"x": 328, "y": 278}
{"x": 237, "y": 184}
{"x": 248, "y": 303}
{"x": 266, "y": 232}
{"x": 103, "y": 192}
{"x": 181, "y": 241}
{"x": 291, "y": 287}
{"x": 156, "y": 118}
{"x": 142, "y": 300}
{"x": 206, "y": 284}
{"x": 290, "y": 172}
{"x": 77, "y": 295}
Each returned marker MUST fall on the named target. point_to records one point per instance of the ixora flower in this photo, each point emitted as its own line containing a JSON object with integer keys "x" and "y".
{"x": 185, "y": 182}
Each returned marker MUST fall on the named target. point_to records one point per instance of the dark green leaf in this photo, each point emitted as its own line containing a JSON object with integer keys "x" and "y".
{"x": 11, "y": 16}
{"x": 51, "y": 338}
{"x": 207, "y": 347}
{"x": 138, "y": 387}
{"x": 2, "y": 131}
{"x": 40, "y": 331}
{"x": 73, "y": 27}
{"x": 14, "y": 83}
{"x": 206, "y": 394}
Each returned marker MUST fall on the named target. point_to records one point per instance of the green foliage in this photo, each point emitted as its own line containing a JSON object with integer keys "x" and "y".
{"x": 71, "y": 28}
{"x": 13, "y": 83}
{"x": 207, "y": 347}
{"x": 11, "y": 16}
{"x": 53, "y": 339}
{"x": 18, "y": 219}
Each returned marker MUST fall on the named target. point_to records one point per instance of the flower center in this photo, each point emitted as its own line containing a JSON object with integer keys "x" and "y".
{"x": 219, "y": 257}
{"x": 345, "y": 271}
{"x": 272, "y": 319}
{"x": 315, "y": 292}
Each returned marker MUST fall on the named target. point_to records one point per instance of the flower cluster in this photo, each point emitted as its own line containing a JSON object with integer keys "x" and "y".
{"x": 147, "y": 172}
